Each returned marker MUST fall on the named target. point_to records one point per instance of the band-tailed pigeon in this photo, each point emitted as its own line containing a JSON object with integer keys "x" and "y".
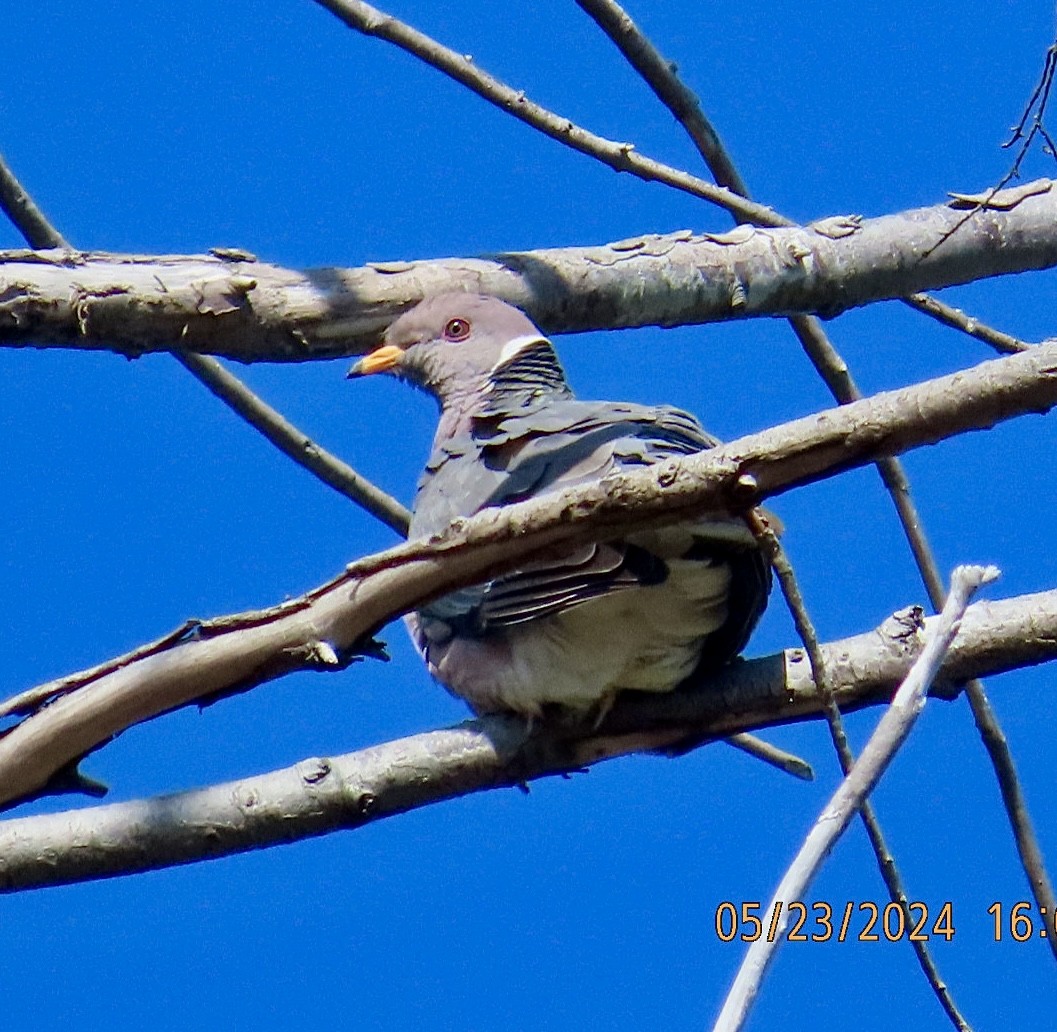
{"x": 643, "y": 612}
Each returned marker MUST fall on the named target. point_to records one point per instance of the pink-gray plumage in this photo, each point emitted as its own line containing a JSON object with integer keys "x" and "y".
{"x": 643, "y": 612}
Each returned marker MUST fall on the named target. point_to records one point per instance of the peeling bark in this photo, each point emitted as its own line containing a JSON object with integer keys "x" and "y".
{"x": 324, "y": 628}
{"x": 325, "y": 794}
{"x": 228, "y": 303}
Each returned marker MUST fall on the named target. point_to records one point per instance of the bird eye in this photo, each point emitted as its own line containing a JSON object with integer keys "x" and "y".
{"x": 457, "y": 329}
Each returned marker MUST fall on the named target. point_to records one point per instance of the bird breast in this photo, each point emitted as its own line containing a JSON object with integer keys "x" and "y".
{"x": 648, "y": 638}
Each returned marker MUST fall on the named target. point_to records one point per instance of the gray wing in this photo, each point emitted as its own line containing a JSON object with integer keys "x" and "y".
{"x": 511, "y": 457}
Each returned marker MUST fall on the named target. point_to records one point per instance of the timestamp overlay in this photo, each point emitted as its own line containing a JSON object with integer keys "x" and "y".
{"x": 866, "y": 921}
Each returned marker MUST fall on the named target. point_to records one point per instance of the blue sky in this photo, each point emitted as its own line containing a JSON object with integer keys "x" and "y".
{"x": 135, "y": 500}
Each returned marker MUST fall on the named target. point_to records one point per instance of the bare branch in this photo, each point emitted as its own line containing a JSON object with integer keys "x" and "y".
{"x": 30, "y": 221}
{"x": 229, "y": 304}
{"x": 39, "y": 232}
{"x": 886, "y": 864}
{"x": 294, "y": 443}
{"x": 851, "y": 794}
{"x": 1003, "y": 343}
{"x": 771, "y": 754}
{"x": 325, "y": 794}
{"x": 1016, "y": 806}
{"x": 621, "y": 157}
{"x": 661, "y": 77}
{"x": 324, "y": 628}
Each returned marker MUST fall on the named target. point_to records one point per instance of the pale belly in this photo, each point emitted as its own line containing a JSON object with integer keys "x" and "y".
{"x": 644, "y": 638}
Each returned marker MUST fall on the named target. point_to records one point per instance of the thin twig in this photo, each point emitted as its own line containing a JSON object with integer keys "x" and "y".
{"x": 684, "y": 105}
{"x": 779, "y": 758}
{"x": 1037, "y": 102}
{"x": 835, "y": 374}
{"x": 890, "y": 733}
{"x": 956, "y": 319}
{"x": 1013, "y": 799}
{"x": 805, "y": 630}
{"x": 293, "y": 442}
{"x": 886, "y": 861}
{"x": 622, "y": 157}
{"x": 25, "y": 216}
{"x": 33, "y": 224}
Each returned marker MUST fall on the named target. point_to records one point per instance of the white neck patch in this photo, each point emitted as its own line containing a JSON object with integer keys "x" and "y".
{"x": 518, "y": 344}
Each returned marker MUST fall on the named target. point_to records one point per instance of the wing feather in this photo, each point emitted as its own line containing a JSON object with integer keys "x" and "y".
{"x": 529, "y": 451}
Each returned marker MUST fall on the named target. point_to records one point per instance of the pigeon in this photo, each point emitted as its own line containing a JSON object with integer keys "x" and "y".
{"x": 643, "y": 612}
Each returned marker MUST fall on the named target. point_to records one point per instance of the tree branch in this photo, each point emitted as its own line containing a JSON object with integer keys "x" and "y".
{"x": 621, "y": 157}
{"x": 227, "y": 303}
{"x": 294, "y": 443}
{"x": 859, "y": 781}
{"x": 325, "y": 794}
{"x": 32, "y": 223}
{"x": 956, "y": 319}
{"x": 661, "y": 77}
{"x": 325, "y": 628}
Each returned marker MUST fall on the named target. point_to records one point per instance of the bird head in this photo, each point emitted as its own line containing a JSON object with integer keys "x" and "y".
{"x": 452, "y": 343}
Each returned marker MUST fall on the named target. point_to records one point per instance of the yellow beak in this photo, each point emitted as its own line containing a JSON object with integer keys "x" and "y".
{"x": 381, "y": 360}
